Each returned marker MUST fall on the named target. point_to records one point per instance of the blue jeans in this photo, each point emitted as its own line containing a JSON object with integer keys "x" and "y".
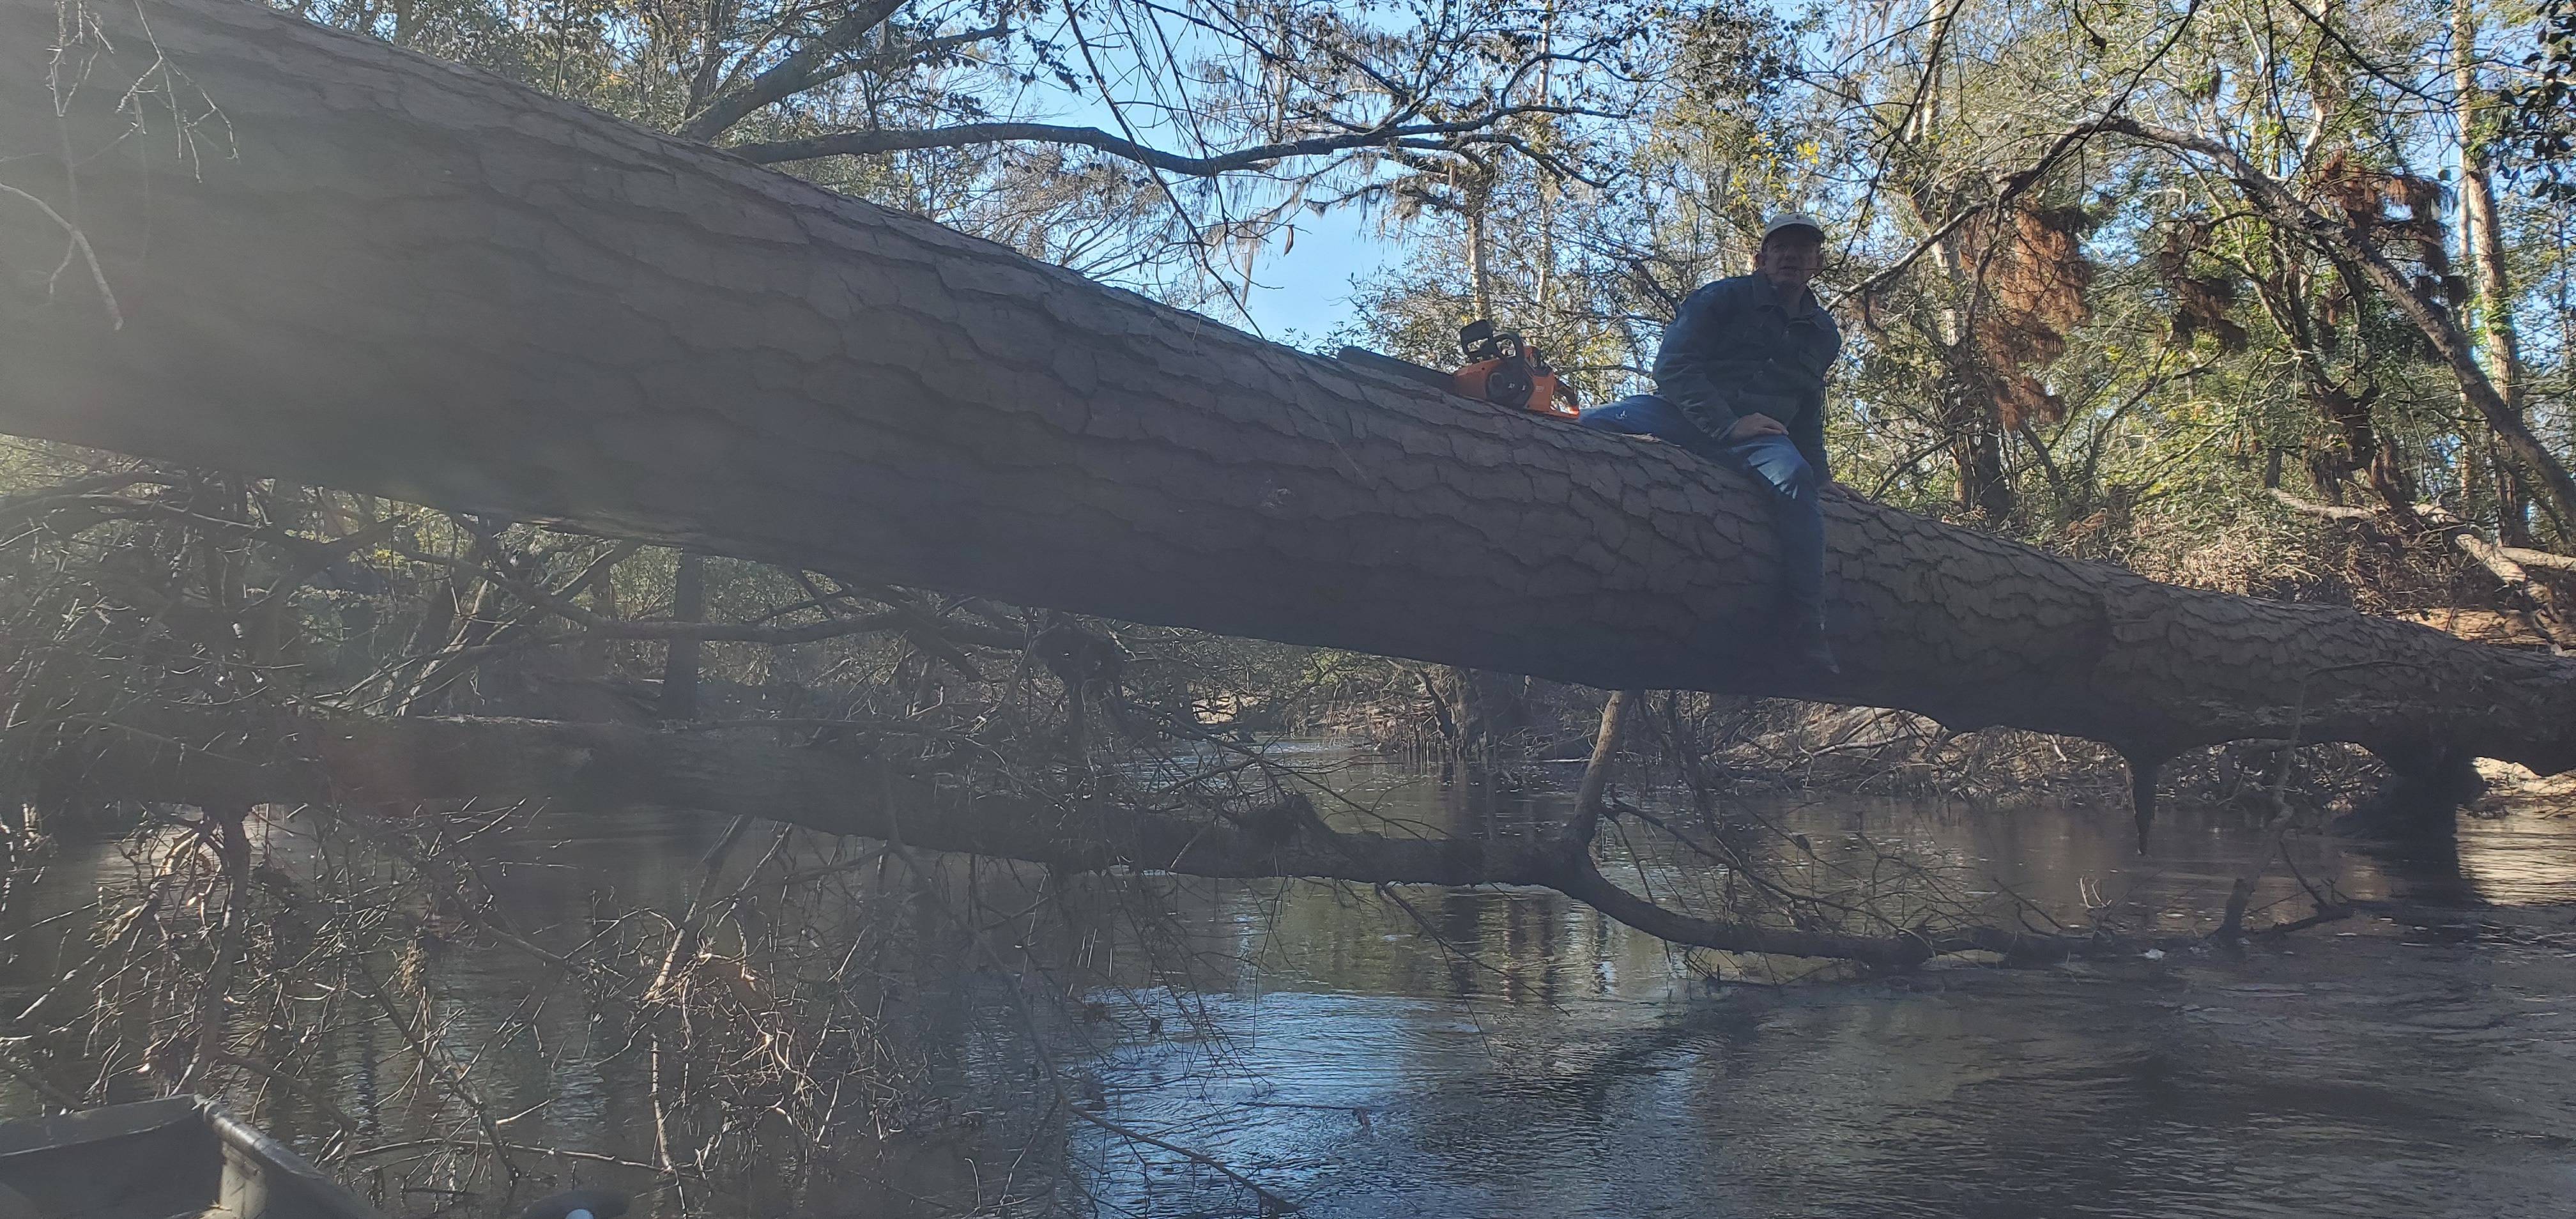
{"x": 1772, "y": 460}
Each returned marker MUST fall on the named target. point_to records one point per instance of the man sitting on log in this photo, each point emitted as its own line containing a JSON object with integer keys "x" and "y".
{"x": 1742, "y": 374}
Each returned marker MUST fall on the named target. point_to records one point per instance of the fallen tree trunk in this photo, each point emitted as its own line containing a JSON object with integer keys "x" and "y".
{"x": 369, "y": 270}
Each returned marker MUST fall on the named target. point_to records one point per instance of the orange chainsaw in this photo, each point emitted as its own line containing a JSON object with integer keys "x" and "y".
{"x": 1501, "y": 368}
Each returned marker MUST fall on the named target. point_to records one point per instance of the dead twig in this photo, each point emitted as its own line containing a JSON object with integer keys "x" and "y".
{"x": 79, "y": 248}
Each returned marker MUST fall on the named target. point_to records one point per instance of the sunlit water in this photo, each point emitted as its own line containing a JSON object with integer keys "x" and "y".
{"x": 1510, "y": 1053}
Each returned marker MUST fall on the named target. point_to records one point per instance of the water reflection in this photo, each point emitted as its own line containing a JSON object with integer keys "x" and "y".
{"x": 1511, "y": 1053}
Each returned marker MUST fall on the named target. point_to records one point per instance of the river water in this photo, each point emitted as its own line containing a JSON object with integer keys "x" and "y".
{"x": 1511, "y": 1053}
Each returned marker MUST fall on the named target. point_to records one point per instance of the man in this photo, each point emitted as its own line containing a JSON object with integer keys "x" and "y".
{"x": 1742, "y": 375}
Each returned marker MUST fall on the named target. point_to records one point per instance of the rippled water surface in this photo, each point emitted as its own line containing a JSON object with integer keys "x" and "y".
{"x": 1509, "y": 1053}
{"x": 2373, "y": 1067}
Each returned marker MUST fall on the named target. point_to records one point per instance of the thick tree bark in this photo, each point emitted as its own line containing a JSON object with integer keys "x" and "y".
{"x": 2482, "y": 239}
{"x": 384, "y": 273}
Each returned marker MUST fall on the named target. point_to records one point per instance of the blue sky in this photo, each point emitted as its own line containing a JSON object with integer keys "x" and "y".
{"x": 1299, "y": 296}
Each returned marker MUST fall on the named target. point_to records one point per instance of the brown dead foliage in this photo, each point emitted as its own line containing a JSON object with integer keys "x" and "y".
{"x": 2365, "y": 196}
{"x": 2201, "y": 302}
{"x": 2036, "y": 277}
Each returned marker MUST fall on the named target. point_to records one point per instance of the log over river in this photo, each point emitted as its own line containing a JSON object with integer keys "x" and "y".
{"x": 409, "y": 278}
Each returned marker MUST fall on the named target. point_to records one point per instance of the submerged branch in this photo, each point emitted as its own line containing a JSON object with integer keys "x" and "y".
{"x": 857, "y": 785}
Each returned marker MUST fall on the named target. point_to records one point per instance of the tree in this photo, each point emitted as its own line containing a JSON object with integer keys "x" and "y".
{"x": 538, "y": 342}
{"x": 1202, "y": 131}
{"x": 389, "y": 276}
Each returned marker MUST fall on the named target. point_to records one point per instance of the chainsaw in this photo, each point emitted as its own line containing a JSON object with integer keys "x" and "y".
{"x": 1501, "y": 368}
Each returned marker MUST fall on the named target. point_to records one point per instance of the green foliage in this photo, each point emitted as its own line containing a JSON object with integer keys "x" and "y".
{"x": 2540, "y": 119}
{"x": 2081, "y": 340}
{"x": 2086, "y": 341}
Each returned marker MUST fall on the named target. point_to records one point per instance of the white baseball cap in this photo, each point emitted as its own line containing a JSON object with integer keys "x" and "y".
{"x": 1793, "y": 220}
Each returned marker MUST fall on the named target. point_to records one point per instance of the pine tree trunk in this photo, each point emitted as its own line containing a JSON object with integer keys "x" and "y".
{"x": 412, "y": 279}
{"x": 2482, "y": 238}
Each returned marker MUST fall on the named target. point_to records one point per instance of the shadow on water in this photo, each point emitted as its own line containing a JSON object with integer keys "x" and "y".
{"x": 1511, "y": 1053}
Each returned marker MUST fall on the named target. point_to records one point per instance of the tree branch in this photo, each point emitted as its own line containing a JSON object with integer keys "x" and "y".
{"x": 845, "y": 786}
{"x": 1584, "y": 883}
{"x": 15, "y": 509}
{"x": 2338, "y": 238}
{"x": 1596, "y": 773}
{"x": 2504, "y": 563}
{"x": 2013, "y": 185}
{"x": 802, "y": 69}
{"x": 858, "y": 143}
{"x": 2538, "y": 558}
{"x": 2326, "y": 512}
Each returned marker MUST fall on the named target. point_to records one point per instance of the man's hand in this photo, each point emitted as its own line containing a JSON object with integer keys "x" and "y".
{"x": 1756, "y": 424}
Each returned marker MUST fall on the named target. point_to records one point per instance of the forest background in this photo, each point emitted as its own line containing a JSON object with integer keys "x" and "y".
{"x": 2254, "y": 295}
{"x": 2271, "y": 300}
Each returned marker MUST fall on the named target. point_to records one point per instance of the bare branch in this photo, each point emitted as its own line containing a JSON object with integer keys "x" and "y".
{"x": 26, "y": 506}
{"x": 859, "y": 143}
{"x": 807, "y": 66}
{"x": 2528, "y": 557}
{"x": 80, "y": 247}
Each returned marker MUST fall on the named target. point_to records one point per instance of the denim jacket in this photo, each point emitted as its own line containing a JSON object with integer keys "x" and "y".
{"x": 1734, "y": 351}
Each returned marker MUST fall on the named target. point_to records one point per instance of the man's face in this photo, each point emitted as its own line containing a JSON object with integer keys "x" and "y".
{"x": 1790, "y": 259}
